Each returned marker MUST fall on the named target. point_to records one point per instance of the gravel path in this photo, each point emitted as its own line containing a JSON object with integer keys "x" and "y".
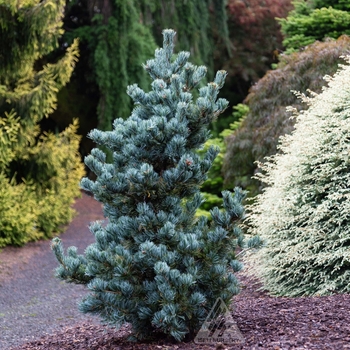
{"x": 32, "y": 301}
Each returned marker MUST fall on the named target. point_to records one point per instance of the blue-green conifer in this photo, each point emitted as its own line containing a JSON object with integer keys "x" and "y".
{"x": 155, "y": 264}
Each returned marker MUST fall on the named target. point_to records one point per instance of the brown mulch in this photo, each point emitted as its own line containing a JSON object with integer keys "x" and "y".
{"x": 265, "y": 322}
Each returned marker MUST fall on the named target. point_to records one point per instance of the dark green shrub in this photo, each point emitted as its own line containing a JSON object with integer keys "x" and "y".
{"x": 313, "y": 20}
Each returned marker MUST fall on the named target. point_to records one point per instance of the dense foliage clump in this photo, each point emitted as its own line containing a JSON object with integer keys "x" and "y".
{"x": 155, "y": 264}
{"x": 313, "y": 20}
{"x": 39, "y": 172}
{"x": 303, "y": 213}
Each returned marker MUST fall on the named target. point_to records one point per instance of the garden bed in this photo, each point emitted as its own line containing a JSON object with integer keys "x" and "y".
{"x": 265, "y": 322}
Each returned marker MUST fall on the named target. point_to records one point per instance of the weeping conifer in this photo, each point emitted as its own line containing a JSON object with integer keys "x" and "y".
{"x": 199, "y": 25}
{"x": 117, "y": 36}
{"x": 114, "y": 42}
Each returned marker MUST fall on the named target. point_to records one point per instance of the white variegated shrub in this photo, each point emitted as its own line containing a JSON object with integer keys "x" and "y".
{"x": 304, "y": 212}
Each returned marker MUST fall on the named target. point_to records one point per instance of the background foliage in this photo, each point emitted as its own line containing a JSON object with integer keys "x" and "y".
{"x": 117, "y": 36}
{"x": 116, "y": 44}
{"x": 267, "y": 100}
{"x": 255, "y": 41}
{"x": 212, "y": 187}
{"x": 219, "y": 35}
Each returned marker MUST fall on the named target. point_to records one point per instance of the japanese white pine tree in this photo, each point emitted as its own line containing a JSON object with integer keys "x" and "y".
{"x": 156, "y": 265}
{"x": 304, "y": 213}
